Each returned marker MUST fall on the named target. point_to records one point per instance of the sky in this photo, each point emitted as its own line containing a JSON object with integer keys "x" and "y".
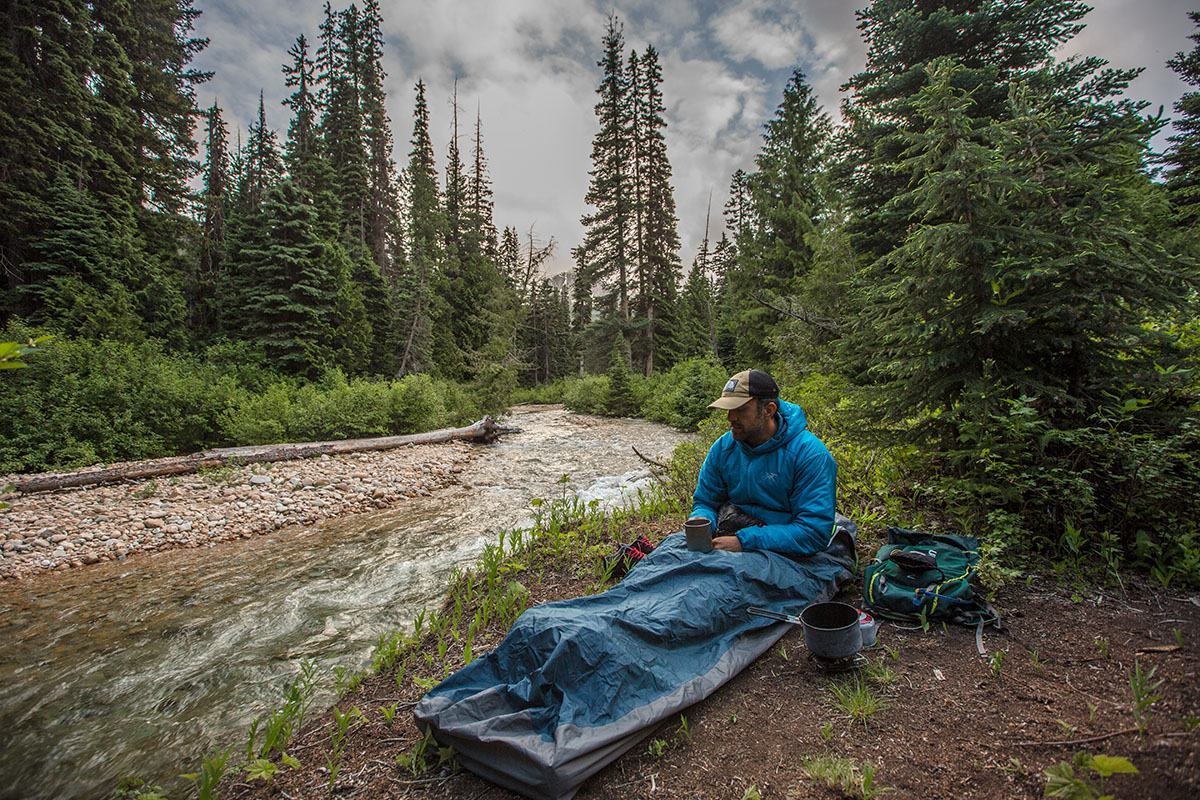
{"x": 528, "y": 68}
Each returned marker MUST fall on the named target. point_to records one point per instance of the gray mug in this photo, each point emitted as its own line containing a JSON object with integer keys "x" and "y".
{"x": 699, "y": 534}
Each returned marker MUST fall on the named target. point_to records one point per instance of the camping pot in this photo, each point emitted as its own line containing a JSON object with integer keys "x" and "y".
{"x": 831, "y": 630}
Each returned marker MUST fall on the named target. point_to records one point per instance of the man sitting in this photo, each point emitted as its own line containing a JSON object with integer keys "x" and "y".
{"x": 768, "y": 483}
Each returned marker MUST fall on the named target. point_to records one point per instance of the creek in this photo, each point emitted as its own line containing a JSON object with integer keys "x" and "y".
{"x": 139, "y": 667}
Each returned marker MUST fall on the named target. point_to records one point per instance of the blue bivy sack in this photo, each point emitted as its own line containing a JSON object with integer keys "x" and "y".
{"x": 578, "y": 682}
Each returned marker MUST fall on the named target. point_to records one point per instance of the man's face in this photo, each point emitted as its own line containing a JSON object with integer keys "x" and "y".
{"x": 749, "y": 424}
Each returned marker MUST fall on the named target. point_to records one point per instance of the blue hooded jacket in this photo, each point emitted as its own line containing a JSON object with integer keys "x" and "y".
{"x": 789, "y": 482}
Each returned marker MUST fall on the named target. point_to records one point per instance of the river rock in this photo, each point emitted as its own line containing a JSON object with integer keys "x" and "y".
{"x": 154, "y": 523}
{"x": 260, "y": 479}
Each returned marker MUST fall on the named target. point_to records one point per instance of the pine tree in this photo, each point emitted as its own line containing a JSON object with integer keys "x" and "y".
{"x": 283, "y": 283}
{"x": 605, "y": 256}
{"x": 659, "y": 227}
{"x": 214, "y": 202}
{"x": 997, "y": 293}
{"x": 508, "y": 259}
{"x": 342, "y": 125}
{"x": 75, "y": 269}
{"x": 994, "y": 42}
{"x": 46, "y": 118}
{"x": 479, "y": 196}
{"x": 784, "y": 206}
{"x": 301, "y": 147}
{"x": 418, "y": 303}
{"x": 382, "y": 226}
{"x": 263, "y": 167}
{"x": 620, "y": 400}
{"x": 1183, "y": 156}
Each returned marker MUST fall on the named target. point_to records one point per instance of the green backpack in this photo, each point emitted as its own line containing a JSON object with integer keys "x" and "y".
{"x": 923, "y": 576}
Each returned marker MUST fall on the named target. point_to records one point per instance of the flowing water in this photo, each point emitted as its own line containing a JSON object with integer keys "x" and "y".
{"x": 139, "y": 667}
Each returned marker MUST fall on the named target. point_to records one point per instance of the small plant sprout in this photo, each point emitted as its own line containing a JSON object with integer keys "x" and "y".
{"x": 1190, "y": 722}
{"x": 995, "y": 660}
{"x": 1063, "y": 781}
{"x": 1068, "y": 728}
{"x": 782, "y": 651}
{"x": 1092, "y": 709}
{"x": 866, "y": 782}
{"x": 1143, "y": 686}
{"x": 1036, "y": 662}
{"x": 657, "y": 747}
{"x": 211, "y": 771}
{"x": 1102, "y": 646}
{"x": 389, "y": 712}
{"x": 262, "y": 768}
{"x": 827, "y": 732}
{"x": 854, "y": 699}
{"x": 684, "y": 731}
{"x": 751, "y": 793}
{"x": 1179, "y": 638}
{"x": 1014, "y": 766}
{"x": 733, "y": 717}
{"x": 879, "y": 673}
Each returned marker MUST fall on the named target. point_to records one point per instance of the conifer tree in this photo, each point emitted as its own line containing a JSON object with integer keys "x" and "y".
{"x": 620, "y": 400}
{"x": 263, "y": 167}
{"x": 659, "y": 236}
{"x": 342, "y": 125}
{"x": 283, "y": 283}
{"x": 382, "y": 226}
{"x": 75, "y": 268}
{"x": 1183, "y": 156}
{"x": 994, "y": 42}
{"x": 46, "y": 113}
{"x": 418, "y": 302}
{"x": 479, "y": 196}
{"x": 605, "y": 256}
{"x": 214, "y": 202}
{"x": 301, "y": 147}
{"x": 997, "y": 292}
{"x": 784, "y": 205}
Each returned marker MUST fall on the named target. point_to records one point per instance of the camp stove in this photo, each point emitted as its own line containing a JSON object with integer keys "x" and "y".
{"x": 833, "y": 666}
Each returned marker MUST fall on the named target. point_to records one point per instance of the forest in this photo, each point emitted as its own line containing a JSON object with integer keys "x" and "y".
{"x": 984, "y": 272}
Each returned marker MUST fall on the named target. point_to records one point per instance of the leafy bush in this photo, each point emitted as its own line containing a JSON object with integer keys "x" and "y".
{"x": 587, "y": 395}
{"x": 681, "y": 396}
{"x": 1121, "y": 483}
{"x": 552, "y": 392}
{"x": 83, "y": 401}
{"x": 337, "y": 408}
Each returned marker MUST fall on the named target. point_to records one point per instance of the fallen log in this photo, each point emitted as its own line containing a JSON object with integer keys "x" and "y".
{"x": 485, "y": 430}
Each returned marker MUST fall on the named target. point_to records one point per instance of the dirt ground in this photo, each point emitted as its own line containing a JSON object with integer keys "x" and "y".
{"x": 950, "y": 723}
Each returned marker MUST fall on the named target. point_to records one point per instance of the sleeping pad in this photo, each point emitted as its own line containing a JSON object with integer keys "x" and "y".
{"x": 577, "y": 682}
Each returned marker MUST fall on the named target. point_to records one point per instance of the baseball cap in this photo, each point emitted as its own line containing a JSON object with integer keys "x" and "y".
{"x": 745, "y": 385}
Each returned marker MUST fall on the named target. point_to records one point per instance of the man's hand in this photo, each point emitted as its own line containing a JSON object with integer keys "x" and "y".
{"x": 731, "y": 543}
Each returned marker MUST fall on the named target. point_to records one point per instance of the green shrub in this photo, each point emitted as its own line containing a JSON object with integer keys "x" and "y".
{"x": 681, "y": 396}
{"x": 83, "y": 401}
{"x": 552, "y": 392}
{"x": 587, "y": 395}
{"x": 620, "y": 399}
{"x": 456, "y": 406}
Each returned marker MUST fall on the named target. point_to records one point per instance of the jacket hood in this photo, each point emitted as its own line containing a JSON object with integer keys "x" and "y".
{"x": 792, "y": 423}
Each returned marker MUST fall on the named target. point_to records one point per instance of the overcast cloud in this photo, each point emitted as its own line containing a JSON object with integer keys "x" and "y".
{"x": 528, "y": 67}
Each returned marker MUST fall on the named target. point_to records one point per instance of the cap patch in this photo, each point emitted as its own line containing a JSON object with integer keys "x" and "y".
{"x": 731, "y": 386}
